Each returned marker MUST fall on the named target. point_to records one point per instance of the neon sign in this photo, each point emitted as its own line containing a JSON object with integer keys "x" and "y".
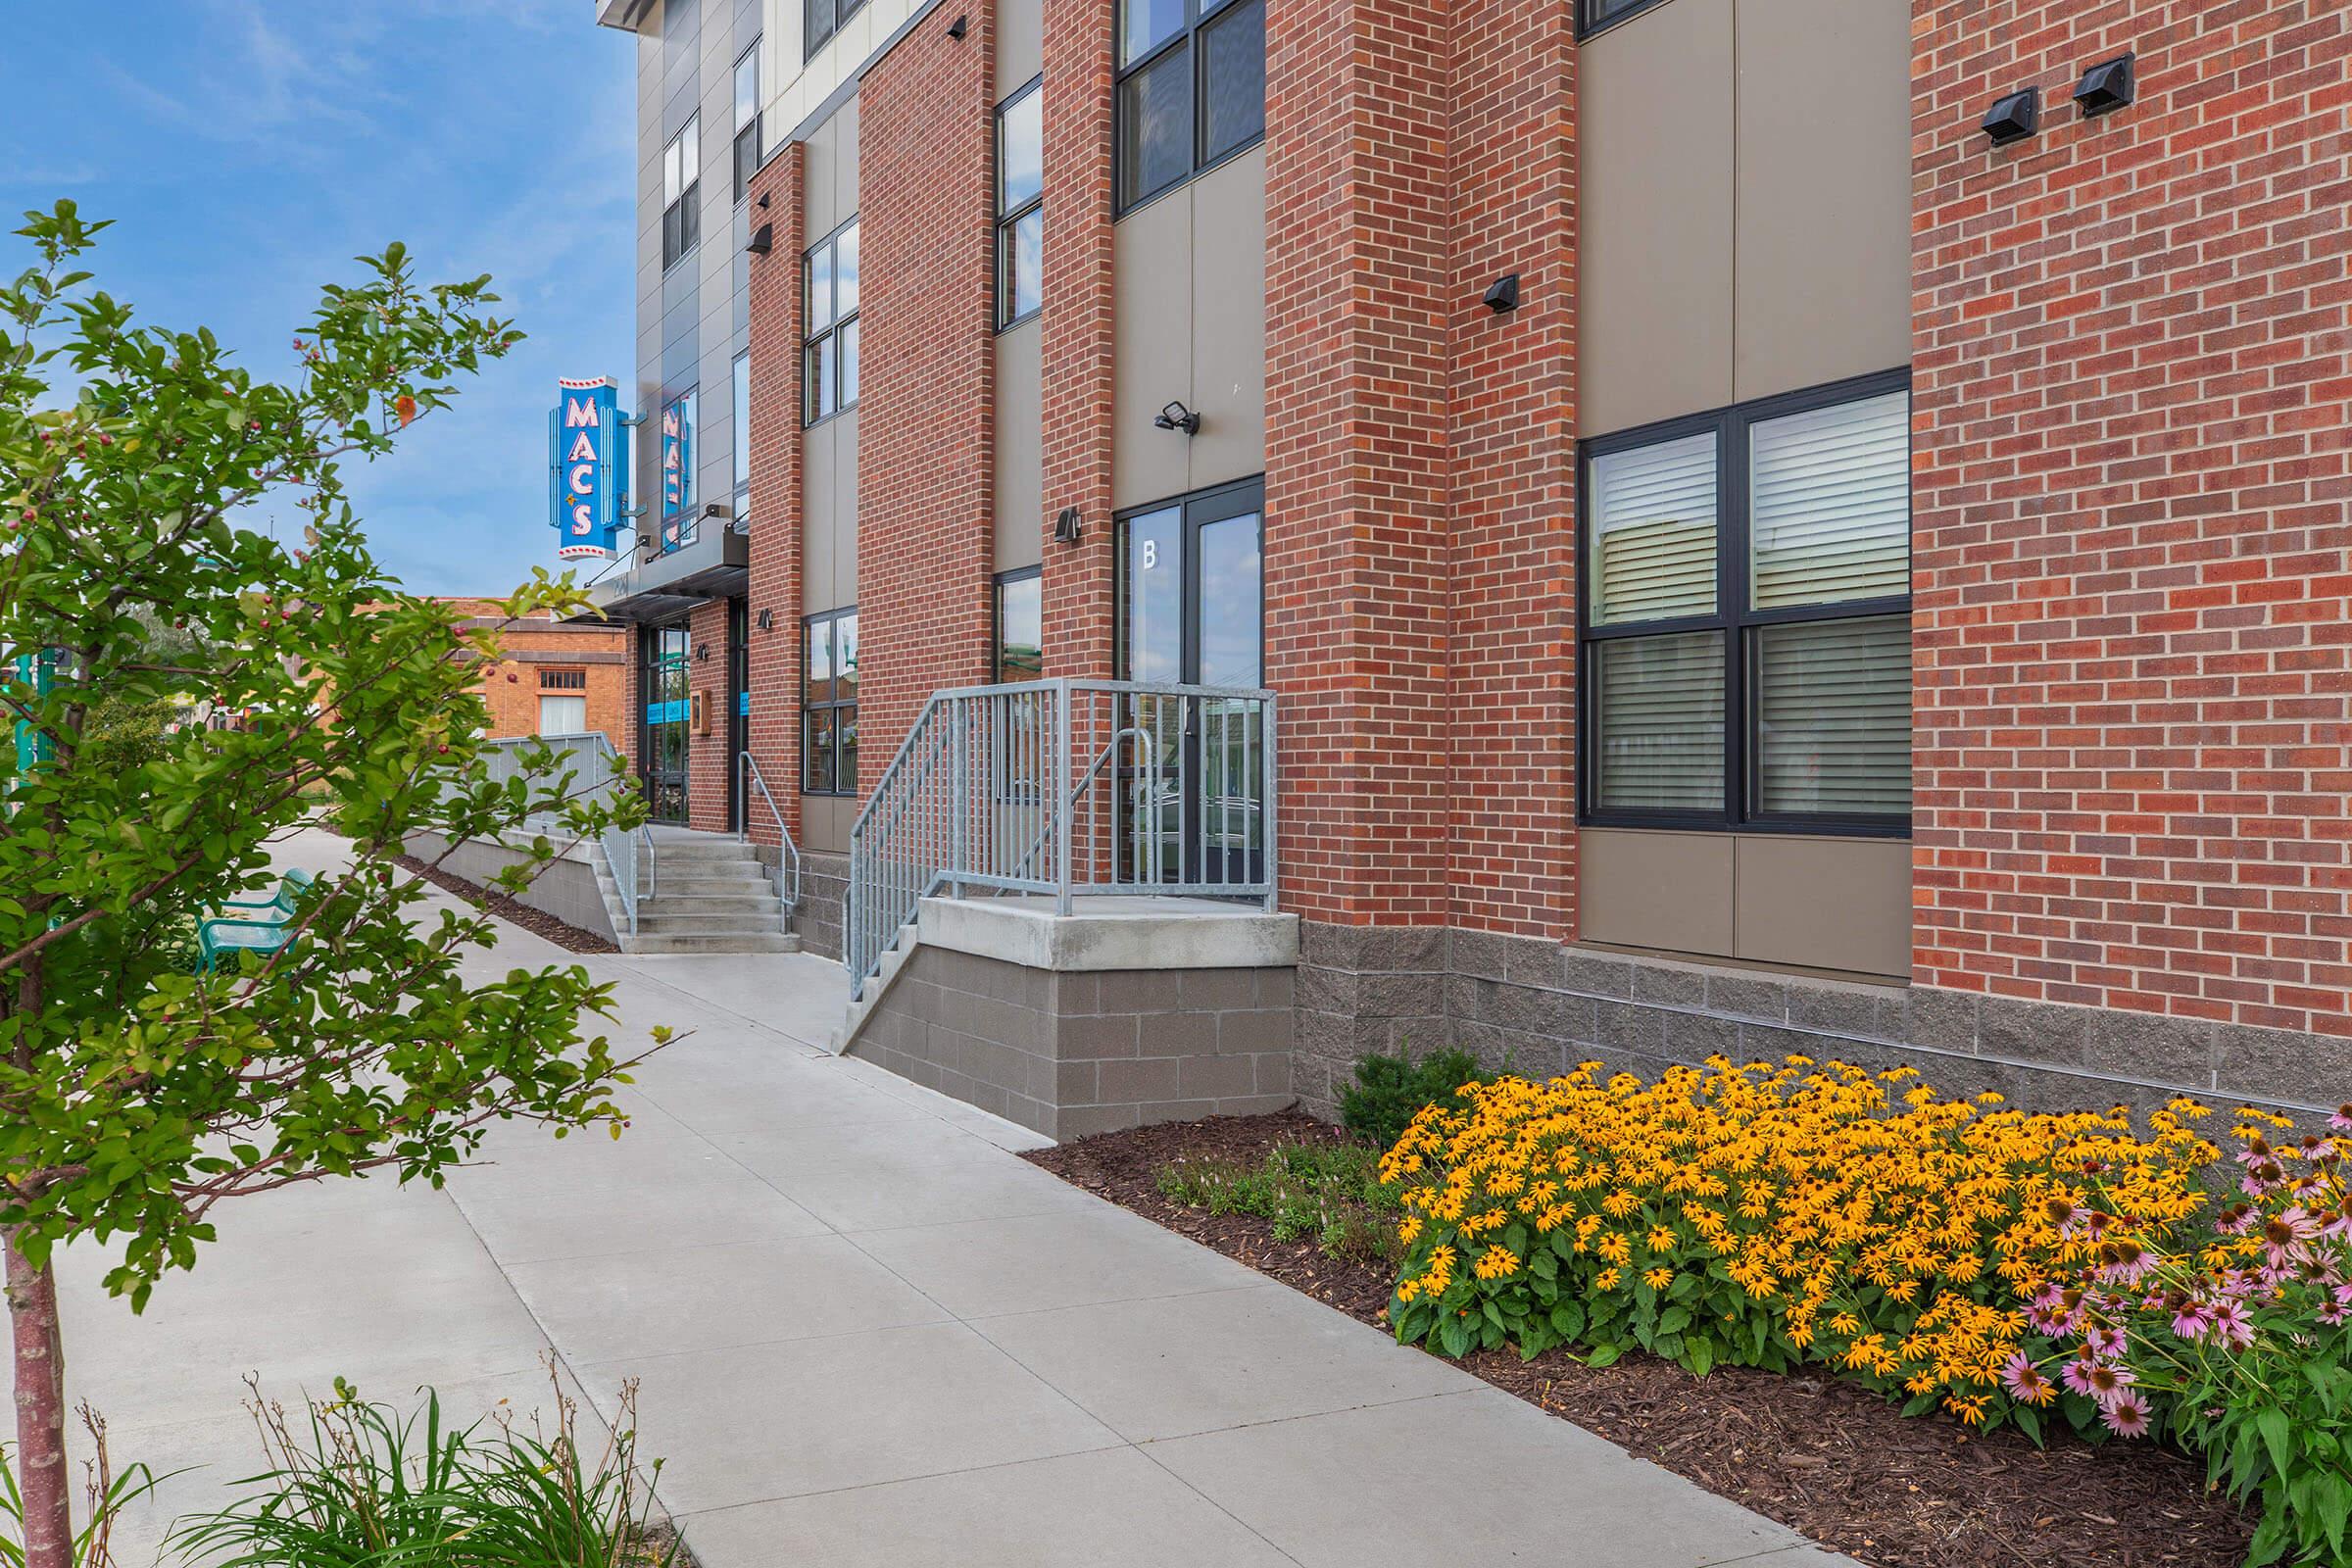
{"x": 586, "y": 491}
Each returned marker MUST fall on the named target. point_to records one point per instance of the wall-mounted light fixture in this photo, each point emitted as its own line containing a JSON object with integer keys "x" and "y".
{"x": 767, "y": 621}
{"x": 718, "y": 509}
{"x": 1068, "y": 528}
{"x": 957, "y": 28}
{"x": 761, "y": 203}
{"x": 702, "y": 651}
{"x": 763, "y": 239}
{"x": 1503, "y": 293}
{"x": 2014, "y": 117}
{"x": 1176, "y": 416}
{"x": 2106, "y": 87}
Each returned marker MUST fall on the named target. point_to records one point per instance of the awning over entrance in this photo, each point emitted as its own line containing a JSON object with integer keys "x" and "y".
{"x": 661, "y": 587}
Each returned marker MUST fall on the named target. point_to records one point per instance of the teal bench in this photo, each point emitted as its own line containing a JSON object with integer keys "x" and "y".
{"x": 277, "y": 906}
{"x": 252, "y": 925}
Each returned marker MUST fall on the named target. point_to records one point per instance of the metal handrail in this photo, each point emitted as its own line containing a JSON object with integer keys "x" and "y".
{"x": 1175, "y": 796}
{"x": 791, "y": 900}
{"x": 619, "y": 846}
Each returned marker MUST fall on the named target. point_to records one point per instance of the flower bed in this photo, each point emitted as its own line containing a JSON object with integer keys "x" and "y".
{"x": 2002, "y": 1266}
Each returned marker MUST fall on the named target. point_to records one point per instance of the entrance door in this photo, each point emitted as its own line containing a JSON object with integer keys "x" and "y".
{"x": 1192, "y": 612}
{"x": 669, "y": 712}
{"x": 739, "y": 709}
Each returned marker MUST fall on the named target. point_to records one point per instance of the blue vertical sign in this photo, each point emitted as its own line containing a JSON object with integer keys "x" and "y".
{"x": 585, "y": 464}
{"x": 677, "y": 470}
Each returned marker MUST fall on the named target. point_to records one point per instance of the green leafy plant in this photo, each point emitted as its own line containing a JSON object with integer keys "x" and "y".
{"x": 134, "y": 1094}
{"x": 352, "y": 1483}
{"x": 1389, "y": 1092}
{"x": 1329, "y": 1192}
{"x": 107, "y": 1495}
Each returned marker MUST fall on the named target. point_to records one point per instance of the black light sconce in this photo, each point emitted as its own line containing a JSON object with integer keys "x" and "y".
{"x": 1068, "y": 528}
{"x": 1503, "y": 293}
{"x": 761, "y": 203}
{"x": 2014, "y": 117}
{"x": 763, "y": 239}
{"x": 2106, "y": 87}
{"x": 702, "y": 651}
{"x": 957, "y": 28}
{"x": 716, "y": 509}
{"x": 767, "y": 621}
{"x": 1176, "y": 416}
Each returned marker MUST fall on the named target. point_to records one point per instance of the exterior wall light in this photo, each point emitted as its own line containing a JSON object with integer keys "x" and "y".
{"x": 2106, "y": 87}
{"x": 1068, "y": 528}
{"x": 957, "y": 28}
{"x": 763, "y": 239}
{"x": 767, "y": 621}
{"x": 1503, "y": 293}
{"x": 2014, "y": 117}
{"x": 1176, "y": 416}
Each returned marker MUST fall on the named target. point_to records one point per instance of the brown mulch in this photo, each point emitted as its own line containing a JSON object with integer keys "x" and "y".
{"x": 1836, "y": 1462}
{"x": 538, "y": 922}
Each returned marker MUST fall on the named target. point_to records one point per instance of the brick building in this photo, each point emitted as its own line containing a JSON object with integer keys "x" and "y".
{"x": 1745, "y": 557}
{"x": 555, "y": 677}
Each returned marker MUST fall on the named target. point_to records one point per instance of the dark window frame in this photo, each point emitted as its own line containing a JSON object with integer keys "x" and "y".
{"x": 1007, "y": 221}
{"x": 744, "y": 168}
{"x": 1199, "y": 18}
{"x": 833, "y": 14}
{"x": 1598, "y": 16}
{"x": 835, "y": 329}
{"x": 1197, "y": 510}
{"x": 571, "y": 678}
{"x": 739, "y": 417}
{"x": 682, "y": 215}
{"x": 1732, "y": 620}
{"x": 995, "y": 653}
{"x": 834, "y": 706}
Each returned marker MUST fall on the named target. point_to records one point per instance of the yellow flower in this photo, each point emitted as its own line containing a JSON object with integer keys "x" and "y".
{"x": 1659, "y": 1278}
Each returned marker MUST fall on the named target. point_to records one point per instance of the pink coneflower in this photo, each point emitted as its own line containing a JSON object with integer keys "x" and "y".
{"x": 2077, "y": 1377}
{"x": 2341, "y": 1121}
{"x": 2104, "y": 1341}
{"x": 2193, "y": 1321}
{"x": 2231, "y": 1327}
{"x": 2127, "y": 1415}
{"x": 2105, "y": 1381}
{"x": 2125, "y": 1262}
{"x": 2024, "y": 1381}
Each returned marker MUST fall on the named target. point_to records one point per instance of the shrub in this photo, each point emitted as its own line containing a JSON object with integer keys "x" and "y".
{"x": 1769, "y": 1217}
{"x": 2231, "y": 1338}
{"x": 1389, "y": 1092}
{"x": 363, "y": 1483}
{"x": 1329, "y": 1192}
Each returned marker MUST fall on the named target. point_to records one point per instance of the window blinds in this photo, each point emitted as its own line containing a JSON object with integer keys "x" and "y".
{"x": 1659, "y": 722}
{"x": 1834, "y": 716}
{"x": 1653, "y": 511}
{"x": 1830, "y": 503}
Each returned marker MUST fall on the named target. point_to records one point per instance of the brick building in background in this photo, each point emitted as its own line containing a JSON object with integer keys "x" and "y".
{"x": 555, "y": 677}
{"x": 1746, "y": 558}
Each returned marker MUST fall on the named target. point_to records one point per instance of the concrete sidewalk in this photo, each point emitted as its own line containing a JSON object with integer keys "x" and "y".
{"x": 867, "y": 1333}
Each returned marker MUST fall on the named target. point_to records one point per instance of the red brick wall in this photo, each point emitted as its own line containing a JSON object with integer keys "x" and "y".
{"x": 1511, "y": 458}
{"x": 925, "y": 439}
{"x": 1077, "y": 344}
{"x": 2132, "y": 610}
{"x": 1358, "y": 299}
{"x": 776, "y": 526}
{"x": 707, "y": 758}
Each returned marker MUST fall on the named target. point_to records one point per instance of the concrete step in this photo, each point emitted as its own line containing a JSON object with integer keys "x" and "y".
{"x": 746, "y": 903}
{"x": 649, "y": 942}
{"x": 698, "y": 880}
{"x": 653, "y": 920}
{"x": 681, "y": 853}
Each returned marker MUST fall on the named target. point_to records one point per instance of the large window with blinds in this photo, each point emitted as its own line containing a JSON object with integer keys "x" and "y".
{"x": 1746, "y": 616}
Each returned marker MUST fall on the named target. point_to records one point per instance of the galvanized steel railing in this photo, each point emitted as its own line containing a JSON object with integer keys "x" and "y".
{"x": 1068, "y": 788}
{"x": 788, "y": 869}
{"x": 588, "y": 760}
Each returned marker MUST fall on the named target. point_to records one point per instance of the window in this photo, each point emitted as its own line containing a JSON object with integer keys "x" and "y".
{"x": 681, "y": 192}
{"x": 830, "y": 704}
{"x": 742, "y": 435}
{"x": 1020, "y": 205}
{"x": 1022, "y": 625}
{"x": 677, "y": 471}
{"x": 824, "y": 18}
{"x": 1594, "y": 15}
{"x": 747, "y": 119}
{"x": 563, "y": 715}
{"x": 1747, "y": 616}
{"x": 562, "y": 681}
{"x": 829, "y": 295}
{"x": 1191, "y": 88}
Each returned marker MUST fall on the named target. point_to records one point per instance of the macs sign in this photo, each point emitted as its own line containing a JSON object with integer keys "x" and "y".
{"x": 586, "y": 492}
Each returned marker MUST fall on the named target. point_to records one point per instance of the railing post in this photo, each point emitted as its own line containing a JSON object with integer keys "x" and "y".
{"x": 1062, "y": 808}
{"x": 1270, "y": 867}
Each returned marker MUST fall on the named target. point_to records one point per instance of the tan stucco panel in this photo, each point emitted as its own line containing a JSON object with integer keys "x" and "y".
{"x": 1229, "y": 322}
{"x": 826, "y": 820}
{"x": 1020, "y": 44}
{"x": 1824, "y": 242}
{"x": 1669, "y": 891}
{"x": 829, "y": 514}
{"x": 1020, "y": 447}
{"x": 1655, "y": 135}
{"x": 1153, "y": 358}
{"x": 1824, "y": 904}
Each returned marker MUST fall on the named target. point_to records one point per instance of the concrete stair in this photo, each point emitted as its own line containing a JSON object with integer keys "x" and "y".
{"x": 868, "y": 996}
{"x": 710, "y": 893}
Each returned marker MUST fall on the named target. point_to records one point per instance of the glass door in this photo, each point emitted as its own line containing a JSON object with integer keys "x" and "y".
{"x": 1191, "y": 612}
{"x": 739, "y": 709}
{"x": 669, "y": 711}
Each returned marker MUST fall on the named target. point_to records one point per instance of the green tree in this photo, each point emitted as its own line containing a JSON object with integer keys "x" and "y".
{"x": 134, "y": 1094}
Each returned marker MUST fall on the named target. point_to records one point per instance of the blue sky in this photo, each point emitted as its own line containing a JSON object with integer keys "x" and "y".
{"x": 246, "y": 149}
